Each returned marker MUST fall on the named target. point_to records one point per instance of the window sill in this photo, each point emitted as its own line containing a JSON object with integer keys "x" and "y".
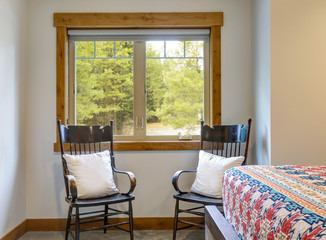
{"x": 147, "y": 146}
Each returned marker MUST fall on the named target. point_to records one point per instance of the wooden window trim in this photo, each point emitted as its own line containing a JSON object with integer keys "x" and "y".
{"x": 211, "y": 20}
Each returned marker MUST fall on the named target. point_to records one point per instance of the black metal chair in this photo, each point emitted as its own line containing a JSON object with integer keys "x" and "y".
{"x": 222, "y": 140}
{"x": 83, "y": 140}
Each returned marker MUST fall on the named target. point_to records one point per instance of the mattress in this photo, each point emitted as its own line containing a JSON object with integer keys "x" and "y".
{"x": 276, "y": 202}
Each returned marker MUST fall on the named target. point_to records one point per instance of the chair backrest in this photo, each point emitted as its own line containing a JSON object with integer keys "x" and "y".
{"x": 84, "y": 140}
{"x": 226, "y": 140}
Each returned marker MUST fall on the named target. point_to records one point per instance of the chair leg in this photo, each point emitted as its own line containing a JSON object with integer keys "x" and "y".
{"x": 68, "y": 222}
{"x": 131, "y": 224}
{"x": 106, "y": 217}
{"x": 77, "y": 224}
{"x": 176, "y": 214}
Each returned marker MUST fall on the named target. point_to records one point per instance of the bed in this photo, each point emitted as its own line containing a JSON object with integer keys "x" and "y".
{"x": 275, "y": 202}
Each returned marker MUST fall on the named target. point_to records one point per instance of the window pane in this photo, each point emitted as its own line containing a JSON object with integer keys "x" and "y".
{"x": 174, "y": 48}
{"x": 124, "y": 49}
{"x": 194, "y": 49}
{"x": 85, "y": 49}
{"x": 104, "y": 92}
{"x": 105, "y": 49}
{"x": 155, "y": 49}
{"x": 174, "y": 96}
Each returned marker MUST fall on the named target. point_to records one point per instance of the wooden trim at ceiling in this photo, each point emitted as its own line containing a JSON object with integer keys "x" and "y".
{"x": 211, "y": 20}
{"x": 17, "y": 232}
{"x": 59, "y": 224}
{"x": 180, "y": 19}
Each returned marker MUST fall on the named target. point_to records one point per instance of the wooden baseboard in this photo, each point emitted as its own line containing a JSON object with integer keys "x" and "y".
{"x": 59, "y": 224}
{"x": 17, "y": 232}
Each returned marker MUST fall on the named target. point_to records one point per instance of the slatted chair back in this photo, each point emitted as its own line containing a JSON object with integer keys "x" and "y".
{"x": 84, "y": 140}
{"x": 226, "y": 140}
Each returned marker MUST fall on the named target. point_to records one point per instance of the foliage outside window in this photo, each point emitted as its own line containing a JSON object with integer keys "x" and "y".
{"x": 161, "y": 100}
{"x": 104, "y": 84}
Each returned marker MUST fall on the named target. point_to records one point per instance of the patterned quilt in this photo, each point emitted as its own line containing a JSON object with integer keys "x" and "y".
{"x": 276, "y": 202}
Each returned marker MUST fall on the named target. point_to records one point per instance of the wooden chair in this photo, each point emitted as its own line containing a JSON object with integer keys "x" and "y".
{"x": 83, "y": 140}
{"x": 222, "y": 140}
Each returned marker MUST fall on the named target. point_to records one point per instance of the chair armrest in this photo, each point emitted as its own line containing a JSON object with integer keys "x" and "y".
{"x": 132, "y": 179}
{"x": 176, "y": 178}
{"x": 72, "y": 186}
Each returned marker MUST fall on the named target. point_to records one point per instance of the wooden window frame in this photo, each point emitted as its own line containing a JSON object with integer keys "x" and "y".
{"x": 211, "y": 20}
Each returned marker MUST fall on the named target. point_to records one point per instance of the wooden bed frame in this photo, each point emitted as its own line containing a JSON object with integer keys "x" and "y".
{"x": 216, "y": 226}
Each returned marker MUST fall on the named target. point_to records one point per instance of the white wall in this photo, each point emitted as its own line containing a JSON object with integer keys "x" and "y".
{"x": 153, "y": 169}
{"x": 261, "y": 77}
{"x": 298, "y": 74}
{"x": 12, "y": 81}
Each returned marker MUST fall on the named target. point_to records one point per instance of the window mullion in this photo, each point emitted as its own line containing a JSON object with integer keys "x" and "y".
{"x": 139, "y": 90}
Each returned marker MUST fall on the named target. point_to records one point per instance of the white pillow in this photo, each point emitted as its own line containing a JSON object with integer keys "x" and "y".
{"x": 209, "y": 176}
{"x": 93, "y": 173}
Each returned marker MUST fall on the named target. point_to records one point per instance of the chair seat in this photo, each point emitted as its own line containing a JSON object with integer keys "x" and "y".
{"x": 116, "y": 198}
{"x": 196, "y": 198}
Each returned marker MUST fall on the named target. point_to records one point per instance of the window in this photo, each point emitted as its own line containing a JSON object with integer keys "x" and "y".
{"x": 150, "y": 82}
{"x": 213, "y": 21}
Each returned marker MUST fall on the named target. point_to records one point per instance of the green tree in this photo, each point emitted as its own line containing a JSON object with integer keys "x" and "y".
{"x": 155, "y": 86}
{"x": 105, "y": 88}
{"x": 182, "y": 105}
{"x": 174, "y": 87}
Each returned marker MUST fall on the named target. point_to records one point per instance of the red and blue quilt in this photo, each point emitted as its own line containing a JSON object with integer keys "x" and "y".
{"x": 276, "y": 202}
